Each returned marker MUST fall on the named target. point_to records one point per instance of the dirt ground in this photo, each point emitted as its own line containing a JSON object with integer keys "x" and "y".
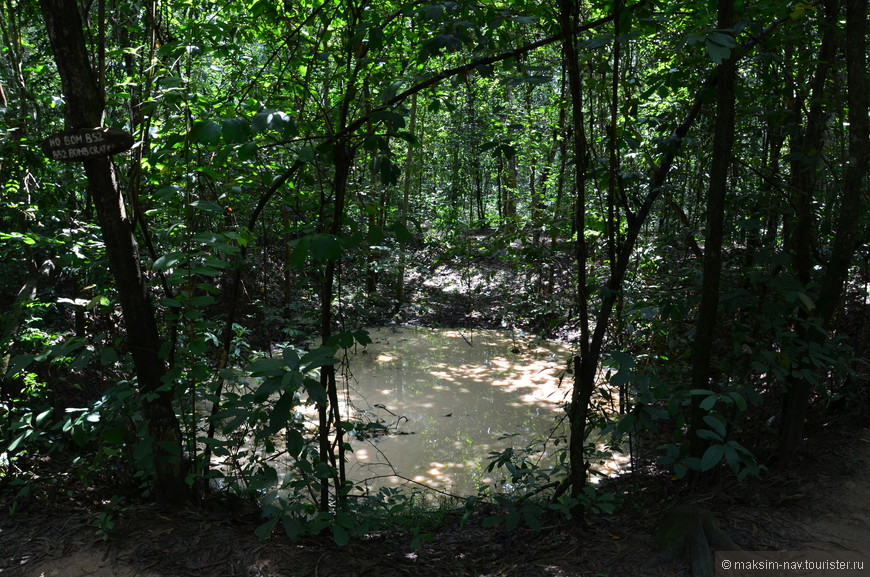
{"x": 822, "y": 504}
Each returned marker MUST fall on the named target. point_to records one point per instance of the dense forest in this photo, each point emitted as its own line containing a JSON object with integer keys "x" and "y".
{"x": 205, "y": 203}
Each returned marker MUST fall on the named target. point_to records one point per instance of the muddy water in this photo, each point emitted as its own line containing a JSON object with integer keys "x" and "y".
{"x": 451, "y": 396}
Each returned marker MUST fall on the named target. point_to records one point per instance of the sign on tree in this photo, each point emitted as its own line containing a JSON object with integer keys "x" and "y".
{"x": 86, "y": 143}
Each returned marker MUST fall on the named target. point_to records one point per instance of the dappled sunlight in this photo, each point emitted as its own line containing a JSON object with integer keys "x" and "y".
{"x": 614, "y": 464}
{"x": 442, "y": 401}
{"x": 458, "y": 394}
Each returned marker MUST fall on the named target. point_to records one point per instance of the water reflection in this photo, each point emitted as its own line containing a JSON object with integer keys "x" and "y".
{"x": 451, "y": 395}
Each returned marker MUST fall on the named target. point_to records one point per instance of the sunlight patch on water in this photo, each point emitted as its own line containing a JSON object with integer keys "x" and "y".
{"x": 459, "y": 393}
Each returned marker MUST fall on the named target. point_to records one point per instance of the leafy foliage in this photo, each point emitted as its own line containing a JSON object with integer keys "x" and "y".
{"x": 296, "y": 163}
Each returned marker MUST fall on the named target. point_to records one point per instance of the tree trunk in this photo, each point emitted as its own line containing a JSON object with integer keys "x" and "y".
{"x": 584, "y": 363}
{"x": 806, "y": 150}
{"x": 851, "y": 206}
{"x": 84, "y": 109}
{"x": 331, "y": 413}
{"x": 406, "y": 195}
{"x": 855, "y": 181}
{"x": 723, "y": 142}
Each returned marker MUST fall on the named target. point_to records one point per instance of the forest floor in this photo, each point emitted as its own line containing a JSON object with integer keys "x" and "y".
{"x": 822, "y": 503}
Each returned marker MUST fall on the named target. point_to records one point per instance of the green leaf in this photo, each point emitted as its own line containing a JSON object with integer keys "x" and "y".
{"x": 115, "y": 436}
{"x": 169, "y": 448}
{"x": 340, "y": 535}
{"x": 323, "y": 471}
{"x": 375, "y": 236}
{"x": 82, "y": 360}
{"x": 300, "y": 253}
{"x": 719, "y": 46}
{"x": 376, "y": 142}
{"x": 708, "y": 403}
{"x": 386, "y": 169}
{"x": 325, "y": 248}
{"x": 712, "y": 456}
{"x": 108, "y": 356}
{"x": 167, "y": 261}
{"x": 42, "y": 416}
{"x": 272, "y": 119}
{"x": 293, "y": 528}
{"x": 622, "y": 359}
{"x": 207, "y": 238}
{"x": 732, "y": 458}
{"x": 738, "y": 400}
{"x": 18, "y": 440}
{"x": 261, "y": 121}
{"x": 801, "y": 8}
{"x": 741, "y": 449}
{"x": 807, "y": 301}
{"x": 291, "y": 358}
{"x": 97, "y": 300}
{"x": 433, "y": 12}
{"x": 264, "y": 531}
{"x": 18, "y": 363}
{"x": 295, "y": 443}
{"x": 361, "y": 336}
{"x": 247, "y": 151}
{"x": 626, "y": 423}
{"x": 512, "y": 520}
{"x": 306, "y": 154}
{"x": 207, "y": 206}
{"x": 319, "y": 357}
{"x": 722, "y": 39}
{"x": 264, "y": 9}
{"x": 205, "y": 132}
{"x": 403, "y": 234}
{"x": 597, "y": 42}
{"x": 267, "y": 388}
{"x": 142, "y": 449}
{"x": 25, "y": 238}
{"x": 621, "y": 378}
{"x": 281, "y": 413}
{"x": 266, "y": 367}
{"x": 709, "y": 435}
{"x": 170, "y": 82}
{"x": 235, "y": 129}
{"x": 493, "y": 521}
{"x": 408, "y": 137}
{"x": 315, "y": 391}
{"x": 505, "y": 150}
{"x": 532, "y": 516}
{"x": 716, "y": 424}
{"x": 342, "y": 340}
{"x": 397, "y": 121}
{"x": 626, "y": 19}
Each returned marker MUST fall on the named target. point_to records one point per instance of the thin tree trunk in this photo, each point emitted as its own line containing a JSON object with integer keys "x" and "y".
{"x": 614, "y": 179}
{"x": 723, "y": 142}
{"x": 330, "y": 415}
{"x": 406, "y": 194}
{"x": 855, "y": 181}
{"x": 84, "y": 109}
{"x": 806, "y": 154}
{"x": 584, "y": 364}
